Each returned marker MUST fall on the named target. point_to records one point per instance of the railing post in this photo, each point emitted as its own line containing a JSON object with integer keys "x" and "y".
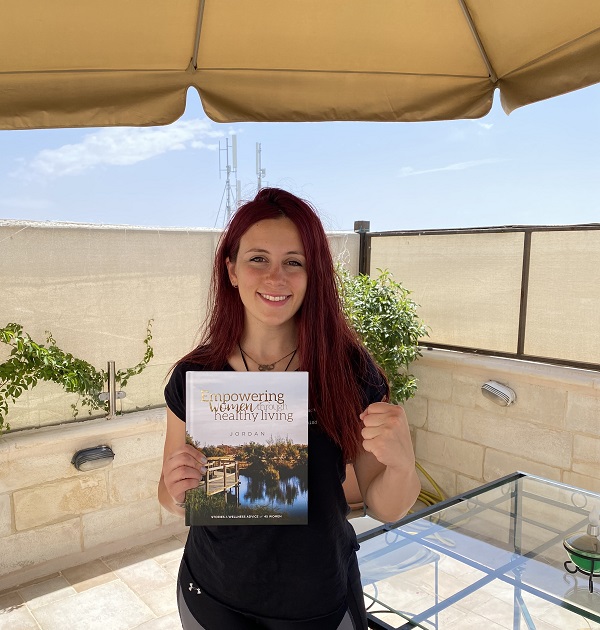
{"x": 111, "y": 395}
{"x": 364, "y": 251}
{"x": 524, "y": 293}
{"x": 112, "y": 391}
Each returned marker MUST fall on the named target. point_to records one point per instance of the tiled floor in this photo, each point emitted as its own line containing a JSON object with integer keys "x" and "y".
{"x": 132, "y": 589}
{"x": 135, "y": 589}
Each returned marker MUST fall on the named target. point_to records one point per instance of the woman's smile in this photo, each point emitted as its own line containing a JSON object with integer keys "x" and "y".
{"x": 277, "y": 299}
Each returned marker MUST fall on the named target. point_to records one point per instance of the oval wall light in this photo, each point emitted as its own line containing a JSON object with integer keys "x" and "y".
{"x": 498, "y": 393}
{"x": 92, "y": 458}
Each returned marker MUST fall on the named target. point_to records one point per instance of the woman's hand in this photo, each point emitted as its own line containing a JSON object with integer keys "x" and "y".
{"x": 386, "y": 435}
{"x": 386, "y": 470}
{"x": 182, "y": 470}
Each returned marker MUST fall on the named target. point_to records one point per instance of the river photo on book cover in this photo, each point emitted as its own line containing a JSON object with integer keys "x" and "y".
{"x": 253, "y": 429}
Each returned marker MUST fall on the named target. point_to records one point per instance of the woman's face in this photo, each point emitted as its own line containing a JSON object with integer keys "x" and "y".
{"x": 270, "y": 271}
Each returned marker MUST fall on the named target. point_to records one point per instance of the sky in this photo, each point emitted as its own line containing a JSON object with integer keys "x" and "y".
{"x": 538, "y": 166}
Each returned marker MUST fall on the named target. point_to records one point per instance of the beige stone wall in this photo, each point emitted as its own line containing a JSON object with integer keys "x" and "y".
{"x": 96, "y": 287}
{"x": 52, "y": 516}
{"x": 463, "y": 439}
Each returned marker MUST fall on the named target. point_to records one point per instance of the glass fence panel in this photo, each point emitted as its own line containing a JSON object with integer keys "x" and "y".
{"x": 468, "y": 286}
{"x": 95, "y": 290}
{"x": 563, "y": 307}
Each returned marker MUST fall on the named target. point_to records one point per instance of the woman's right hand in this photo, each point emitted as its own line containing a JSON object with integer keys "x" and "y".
{"x": 183, "y": 469}
{"x": 183, "y": 466}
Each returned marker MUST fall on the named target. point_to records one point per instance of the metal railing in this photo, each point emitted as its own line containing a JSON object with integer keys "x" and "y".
{"x": 369, "y": 242}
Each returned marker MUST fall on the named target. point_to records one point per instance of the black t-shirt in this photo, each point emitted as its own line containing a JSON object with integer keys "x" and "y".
{"x": 281, "y": 571}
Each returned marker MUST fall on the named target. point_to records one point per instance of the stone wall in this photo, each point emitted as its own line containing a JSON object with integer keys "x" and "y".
{"x": 53, "y": 516}
{"x": 463, "y": 439}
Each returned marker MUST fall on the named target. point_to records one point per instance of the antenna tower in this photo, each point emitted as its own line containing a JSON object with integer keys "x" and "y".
{"x": 231, "y": 197}
{"x": 260, "y": 172}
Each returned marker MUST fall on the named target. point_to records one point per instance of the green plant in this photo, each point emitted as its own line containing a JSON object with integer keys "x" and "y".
{"x": 385, "y": 318}
{"x": 30, "y": 362}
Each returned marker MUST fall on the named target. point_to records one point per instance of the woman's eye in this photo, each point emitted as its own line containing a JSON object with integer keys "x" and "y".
{"x": 257, "y": 259}
{"x": 295, "y": 263}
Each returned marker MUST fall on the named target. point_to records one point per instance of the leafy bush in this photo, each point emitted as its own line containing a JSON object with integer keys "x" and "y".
{"x": 385, "y": 318}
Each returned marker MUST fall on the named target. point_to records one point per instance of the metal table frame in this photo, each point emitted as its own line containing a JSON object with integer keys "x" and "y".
{"x": 516, "y": 565}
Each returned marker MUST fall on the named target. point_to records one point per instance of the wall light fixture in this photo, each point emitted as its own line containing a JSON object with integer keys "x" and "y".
{"x": 498, "y": 393}
{"x": 92, "y": 458}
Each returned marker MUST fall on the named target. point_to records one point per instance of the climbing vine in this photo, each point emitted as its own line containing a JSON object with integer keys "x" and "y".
{"x": 30, "y": 362}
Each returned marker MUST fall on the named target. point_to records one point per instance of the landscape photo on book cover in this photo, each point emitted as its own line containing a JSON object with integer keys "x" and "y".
{"x": 253, "y": 428}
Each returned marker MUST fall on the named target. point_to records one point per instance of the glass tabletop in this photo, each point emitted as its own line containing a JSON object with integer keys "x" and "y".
{"x": 491, "y": 558}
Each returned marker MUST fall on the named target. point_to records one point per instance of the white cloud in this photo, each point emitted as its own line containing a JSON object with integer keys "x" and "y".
{"x": 120, "y": 146}
{"x": 408, "y": 171}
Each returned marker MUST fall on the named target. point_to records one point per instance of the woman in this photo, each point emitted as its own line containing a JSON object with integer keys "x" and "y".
{"x": 274, "y": 305}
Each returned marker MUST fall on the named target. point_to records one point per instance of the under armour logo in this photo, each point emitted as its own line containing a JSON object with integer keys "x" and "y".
{"x": 192, "y": 587}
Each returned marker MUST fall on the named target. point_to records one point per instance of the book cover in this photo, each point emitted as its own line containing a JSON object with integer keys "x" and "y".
{"x": 253, "y": 428}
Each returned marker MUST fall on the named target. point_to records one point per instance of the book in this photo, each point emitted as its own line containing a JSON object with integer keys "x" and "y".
{"x": 253, "y": 428}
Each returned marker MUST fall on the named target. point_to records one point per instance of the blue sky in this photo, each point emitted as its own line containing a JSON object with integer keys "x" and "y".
{"x": 540, "y": 165}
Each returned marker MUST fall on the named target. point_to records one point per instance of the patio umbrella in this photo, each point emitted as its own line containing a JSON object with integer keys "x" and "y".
{"x": 70, "y": 63}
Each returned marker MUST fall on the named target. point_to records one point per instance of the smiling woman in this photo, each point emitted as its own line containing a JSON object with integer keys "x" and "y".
{"x": 269, "y": 272}
{"x": 275, "y": 307}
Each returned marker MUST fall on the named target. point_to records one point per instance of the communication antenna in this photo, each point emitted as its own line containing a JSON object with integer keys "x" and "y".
{"x": 260, "y": 172}
{"x": 230, "y": 169}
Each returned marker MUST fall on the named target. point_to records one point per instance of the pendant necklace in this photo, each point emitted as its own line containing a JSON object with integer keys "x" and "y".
{"x": 267, "y": 367}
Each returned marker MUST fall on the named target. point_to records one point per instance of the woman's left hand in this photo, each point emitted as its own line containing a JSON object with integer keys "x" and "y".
{"x": 386, "y": 435}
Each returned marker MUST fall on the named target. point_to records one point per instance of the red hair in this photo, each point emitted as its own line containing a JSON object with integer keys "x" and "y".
{"x": 328, "y": 348}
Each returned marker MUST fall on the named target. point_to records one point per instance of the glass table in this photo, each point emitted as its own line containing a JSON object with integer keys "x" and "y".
{"x": 490, "y": 558}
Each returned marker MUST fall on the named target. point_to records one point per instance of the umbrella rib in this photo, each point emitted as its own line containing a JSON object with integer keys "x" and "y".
{"x": 194, "y": 61}
{"x": 484, "y": 55}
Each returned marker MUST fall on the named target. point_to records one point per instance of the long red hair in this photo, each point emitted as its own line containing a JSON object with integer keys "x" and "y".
{"x": 328, "y": 348}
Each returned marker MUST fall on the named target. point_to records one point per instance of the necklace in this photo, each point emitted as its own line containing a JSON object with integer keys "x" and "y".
{"x": 266, "y": 367}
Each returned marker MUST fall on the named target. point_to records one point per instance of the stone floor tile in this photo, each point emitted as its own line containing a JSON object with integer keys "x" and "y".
{"x": 172, "y": 568}
{"x": 161, "y": 601}
{"x": 88, "y": 575}
{"x": 472, "y": 622}
{"x": 14, "y": 614}
{"x": 126, "y": 558}
{"x": 10, "y": 601}
{"x": 168, "y": 622}
{"x": 30, "y": 583}
{"x": 145, "y": 576}
{"x": 562, "y": 618}
{"x": 165, "y": 551}
{"x": 43, "y": 593}
{"x": 111, "y": 606}
{"x": 183, "y": 536}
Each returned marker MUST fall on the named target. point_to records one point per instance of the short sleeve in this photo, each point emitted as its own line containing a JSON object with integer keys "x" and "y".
{"x": 175, "y": 391}
{"x": 374, "y": 385}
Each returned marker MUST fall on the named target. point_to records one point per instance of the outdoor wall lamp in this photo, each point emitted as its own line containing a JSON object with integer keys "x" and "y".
{"x": 498, "y": 393}
{"x": 92, "y": 458}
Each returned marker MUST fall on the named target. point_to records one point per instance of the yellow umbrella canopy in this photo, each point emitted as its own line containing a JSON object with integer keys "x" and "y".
{"x": 79, "y": 63}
